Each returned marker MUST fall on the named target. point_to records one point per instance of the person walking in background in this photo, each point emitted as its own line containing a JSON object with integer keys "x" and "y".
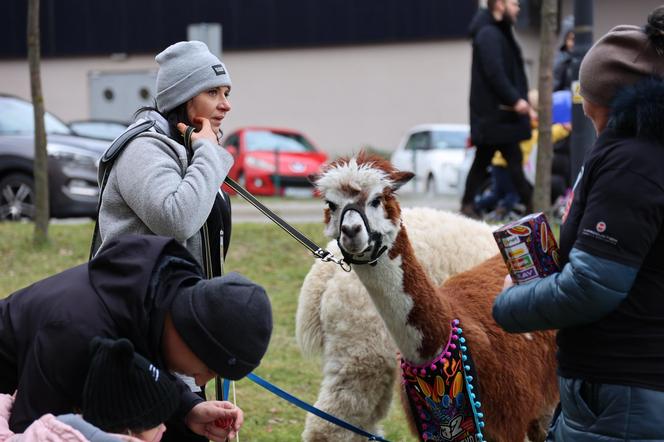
{"x": 499, "y": 109}
{"x": 607, "y": 302}
{"x": 562, "y": 65}
{"x": 151, "y": 291}
{"x": 501, "y": 200}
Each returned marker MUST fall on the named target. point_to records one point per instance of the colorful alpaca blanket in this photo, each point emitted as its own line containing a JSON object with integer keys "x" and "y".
{"x": 442, "y": 394}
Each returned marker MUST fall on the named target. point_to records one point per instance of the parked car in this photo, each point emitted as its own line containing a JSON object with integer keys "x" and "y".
{"x": 271, "y": 161}
{"x": 435, "y": 153}
{"x": 72, "y": 164}
{"x": 101, "y": 129}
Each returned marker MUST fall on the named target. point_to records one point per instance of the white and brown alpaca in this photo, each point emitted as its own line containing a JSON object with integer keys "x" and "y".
{"x": 359, "y": 366}
{"x": 517, "y": 379}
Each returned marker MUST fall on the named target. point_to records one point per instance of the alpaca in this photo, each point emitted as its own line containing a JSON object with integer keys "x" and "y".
{"x": 516, "y": 372}
{"x": 359, "y": 363}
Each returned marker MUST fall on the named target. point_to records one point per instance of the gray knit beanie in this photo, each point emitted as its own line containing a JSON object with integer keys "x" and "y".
{"x": 622, "y": 57}
{"x": 186, "y": 69}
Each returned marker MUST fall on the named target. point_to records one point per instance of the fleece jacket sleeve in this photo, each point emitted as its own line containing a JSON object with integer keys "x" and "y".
{"x": 587, "y": 289}
{"x": 151, "y": 182}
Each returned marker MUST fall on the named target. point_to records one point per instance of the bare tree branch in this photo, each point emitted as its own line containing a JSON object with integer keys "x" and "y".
{"x": 40, "y": 167}
{"x": 542, "y": 195}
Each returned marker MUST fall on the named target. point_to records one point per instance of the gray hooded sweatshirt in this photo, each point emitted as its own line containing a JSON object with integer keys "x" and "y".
{"x": 154, "y": 189}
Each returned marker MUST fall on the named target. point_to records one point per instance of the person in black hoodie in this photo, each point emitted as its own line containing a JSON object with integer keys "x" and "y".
{"x": 499, "y": 109}
{"x": 608, "y": 300}
{"x": 151, "y": 291}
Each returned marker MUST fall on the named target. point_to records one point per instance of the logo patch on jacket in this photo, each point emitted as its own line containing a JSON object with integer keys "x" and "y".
{"x": 154, "y": 371}
{"x": 219, "y": 69}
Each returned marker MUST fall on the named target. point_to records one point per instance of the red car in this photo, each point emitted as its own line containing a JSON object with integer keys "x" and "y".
{"x": 271, "y": 161}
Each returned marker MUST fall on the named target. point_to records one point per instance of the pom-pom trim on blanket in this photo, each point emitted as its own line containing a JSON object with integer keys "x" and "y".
{"x": 443, "y": 394}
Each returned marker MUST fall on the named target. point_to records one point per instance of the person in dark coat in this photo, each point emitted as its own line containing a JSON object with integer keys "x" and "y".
{"x": 151, "y": 291}
{"x": 608, "y": 300}
{"x": 499, "y": 109}
{"x": 562, "y": 65}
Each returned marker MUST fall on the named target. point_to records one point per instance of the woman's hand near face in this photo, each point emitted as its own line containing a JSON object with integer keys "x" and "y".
{"x": 205, "y": 131}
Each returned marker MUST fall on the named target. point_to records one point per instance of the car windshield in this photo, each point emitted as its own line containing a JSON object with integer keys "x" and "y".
{"x": 265, "y": 140}
{"x": 449, "y": 139}
{"x": 105, "y": 130}
{"x": 16, "y": 117}
{"x": 418, "y": 141}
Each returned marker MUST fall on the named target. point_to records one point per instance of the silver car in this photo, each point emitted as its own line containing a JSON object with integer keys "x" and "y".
{"x": 72, "y": 165}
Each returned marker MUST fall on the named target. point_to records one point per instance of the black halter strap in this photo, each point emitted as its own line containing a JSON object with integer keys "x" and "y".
{"x": 375, "y": 237}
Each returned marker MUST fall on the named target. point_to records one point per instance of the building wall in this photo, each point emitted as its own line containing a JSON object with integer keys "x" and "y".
{"x": 610, "y": 13}
{"x": 343, "y": 97}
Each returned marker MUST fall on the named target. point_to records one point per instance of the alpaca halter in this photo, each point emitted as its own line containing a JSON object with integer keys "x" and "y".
{"x": 375, "y": 237}
{"x": 440, "y": 394}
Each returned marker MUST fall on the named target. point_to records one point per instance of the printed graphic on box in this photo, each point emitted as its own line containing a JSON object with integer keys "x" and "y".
{"x": 528, "y": 247}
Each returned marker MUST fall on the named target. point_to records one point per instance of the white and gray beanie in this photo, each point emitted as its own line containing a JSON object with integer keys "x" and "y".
{"x": 186, "y": 69}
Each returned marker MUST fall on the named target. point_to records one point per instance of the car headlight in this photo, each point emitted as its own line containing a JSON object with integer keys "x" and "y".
{"x": 77, "y": 157}
{"x": 258, "y": 163}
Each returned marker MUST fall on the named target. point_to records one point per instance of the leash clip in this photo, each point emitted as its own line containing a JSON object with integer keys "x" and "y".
{"x": 326, "y": 256}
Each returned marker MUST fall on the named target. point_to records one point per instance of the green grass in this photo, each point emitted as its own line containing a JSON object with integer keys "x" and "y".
{"x": 264, "y": 253}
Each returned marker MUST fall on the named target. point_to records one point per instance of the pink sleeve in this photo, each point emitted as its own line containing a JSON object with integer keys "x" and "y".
{"x": 6, "y": 402}
{"x": 49, "y": 428}
{"x": 46, "y": 428}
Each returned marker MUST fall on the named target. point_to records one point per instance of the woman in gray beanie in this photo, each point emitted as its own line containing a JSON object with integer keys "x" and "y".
{"x": 167, "y": 184}
{"x": 166, "y": 181}
{"x": 608, "y": 300}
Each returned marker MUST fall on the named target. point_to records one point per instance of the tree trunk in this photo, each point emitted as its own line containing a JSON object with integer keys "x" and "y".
{"x": 542, "y": 196}
{"x": 40, "y": 167}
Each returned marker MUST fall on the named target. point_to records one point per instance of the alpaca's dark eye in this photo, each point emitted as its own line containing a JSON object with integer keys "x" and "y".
{"x": 375, "y": 202}
{"x": 331, "y": 205}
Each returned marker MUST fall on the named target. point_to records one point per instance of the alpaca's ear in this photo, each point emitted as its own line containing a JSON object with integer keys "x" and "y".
{"x": 400, "y": 178}
{"x": 313, "y": 178}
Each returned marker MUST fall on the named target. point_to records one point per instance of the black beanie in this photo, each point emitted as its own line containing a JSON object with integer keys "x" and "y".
{"x": 227, "y": 323}
{"x": 124, "y": 391}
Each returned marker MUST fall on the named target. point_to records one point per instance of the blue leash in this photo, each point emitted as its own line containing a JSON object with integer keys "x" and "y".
{"x": 310, "y": 408}
{"x": 225, "y": 389}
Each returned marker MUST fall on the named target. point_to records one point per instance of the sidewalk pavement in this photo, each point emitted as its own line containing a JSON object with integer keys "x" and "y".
{"x": 311, "y": 210}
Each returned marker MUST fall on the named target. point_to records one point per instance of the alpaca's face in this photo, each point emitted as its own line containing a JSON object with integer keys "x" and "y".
{"x": 361, "y": 206}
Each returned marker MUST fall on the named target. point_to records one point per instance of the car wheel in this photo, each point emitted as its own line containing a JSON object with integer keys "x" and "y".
{"x": 17, "y": 197}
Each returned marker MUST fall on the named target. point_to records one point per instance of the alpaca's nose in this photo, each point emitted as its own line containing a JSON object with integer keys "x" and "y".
{"x": 351, "y": 231}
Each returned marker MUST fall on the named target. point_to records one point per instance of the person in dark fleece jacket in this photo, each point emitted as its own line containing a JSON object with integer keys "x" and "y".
{"x": 608, "y": 300}
{"x": 499, "y": 110}
{"x": 151, "y": 291}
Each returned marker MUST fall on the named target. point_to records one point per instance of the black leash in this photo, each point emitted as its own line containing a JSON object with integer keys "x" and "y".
{"x": 222, "y": 385}
{"x": 319, "y": 252}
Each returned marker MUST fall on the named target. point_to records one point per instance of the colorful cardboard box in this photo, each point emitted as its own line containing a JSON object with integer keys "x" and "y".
{"x": 529, "y": 248}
